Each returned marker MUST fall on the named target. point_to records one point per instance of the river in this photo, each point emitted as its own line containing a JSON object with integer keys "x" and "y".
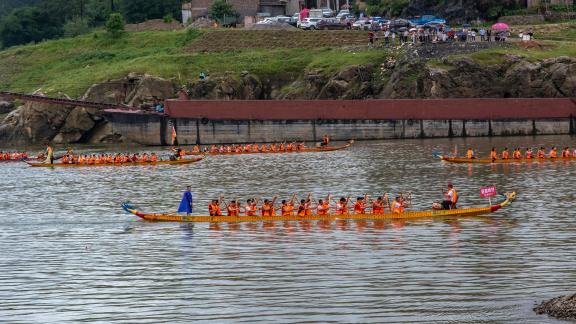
{"x": 70, "y": 254}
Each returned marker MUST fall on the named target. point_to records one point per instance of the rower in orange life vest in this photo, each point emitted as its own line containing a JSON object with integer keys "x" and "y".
{"x": 325, "y": 140}
{"x": 529, "y": 154}
{"x": 288, "y": 207}
{"x": 541, "y": 154}
{"x": 566, "y": 153}
{"x": 553, "y": 153}
{"x": 470, "y": 153}
{"x": 233, "y": 209}
{"x": 505, "y": 154}
{"x": 378, "y": 206}
{"x": 450, "y": 198}
{"x": 250, "y": 207}
{"x": 214, "y": 208}
{"x": 323, "y": 207}
{"x": 303, "y": 208}
{"x": 342, "y": 206}
{"x": 397, "y": 206}
{"x": 360, "y": 206}
{"x": 493, "y": 154}
{"x": 517, "y": 154}
{"x": 268, "y": 207}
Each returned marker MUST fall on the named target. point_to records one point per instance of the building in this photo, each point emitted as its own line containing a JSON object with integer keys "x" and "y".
{"x": 538, "y": 3}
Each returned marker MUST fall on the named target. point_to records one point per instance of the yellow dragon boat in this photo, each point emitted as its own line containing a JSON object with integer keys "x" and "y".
{"x": 166, "y": 217}
{"x": 304, "y": 150}
{"x": 463, "y": 160}
{"x": 81, "y": 165}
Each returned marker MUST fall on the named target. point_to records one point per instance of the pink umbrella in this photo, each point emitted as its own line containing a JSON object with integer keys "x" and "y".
{"x": 500, "y": 26}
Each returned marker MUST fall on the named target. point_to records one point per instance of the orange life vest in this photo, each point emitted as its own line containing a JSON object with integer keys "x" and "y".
{"x": 359, "y": 208}
{"x": 233, "y": 210}
{"x": 494, "y": 155}
{"x": 377, "y": 208}
{"x": 505, "y": 155}
{"x": 214, "y": 210}
{"x": 470, "y": 154}
{"x": 323, "y": 209}
{"x": 397, "y": 207}
{"x": 250, "y": 210}
{"x": 553, "y": 154}
{"x": 341, "y": 208}
{"x": 267, "y": 210}
{"x": 287, "y": 210}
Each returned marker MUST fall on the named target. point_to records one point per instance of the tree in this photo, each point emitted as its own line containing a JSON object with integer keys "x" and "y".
{"x": 221, "y": 9}
{"x": 115, "y": 25}
{"x": 140, "y": 10}
{"x": 28, "y": 24}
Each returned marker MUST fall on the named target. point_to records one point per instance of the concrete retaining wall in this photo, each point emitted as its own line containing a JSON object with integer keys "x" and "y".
{"x": 157, "y": 130}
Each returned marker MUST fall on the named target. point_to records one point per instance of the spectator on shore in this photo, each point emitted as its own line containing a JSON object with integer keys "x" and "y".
{"x": 473, "y": 35}
{"x": 393, "y": 38}
{"x": 371, "y": 39}
{"x": 202, "y": 76}
{"x": 482, "y": 33}
{"x": 387, "y": 37}
{"x": 489, "y": 35}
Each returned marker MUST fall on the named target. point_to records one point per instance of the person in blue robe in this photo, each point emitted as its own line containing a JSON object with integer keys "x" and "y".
{"x": 186, "y": 204}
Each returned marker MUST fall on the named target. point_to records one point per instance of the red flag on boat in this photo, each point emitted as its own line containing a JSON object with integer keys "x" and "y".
{"x": 173, "y": 135}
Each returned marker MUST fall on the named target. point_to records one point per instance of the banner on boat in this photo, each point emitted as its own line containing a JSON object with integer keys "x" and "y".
{"x": 488, "y": 192}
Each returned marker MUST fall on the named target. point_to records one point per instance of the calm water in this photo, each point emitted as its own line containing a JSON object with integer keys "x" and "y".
{"x": 70, "y": 254}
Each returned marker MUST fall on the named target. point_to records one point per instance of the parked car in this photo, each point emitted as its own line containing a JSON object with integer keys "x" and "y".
{"x": 330, "y": 25}
{"x": 327, "y": 12}
{"x": 343, "y": 13}
{"x": 399, "y": 23}
{"x": 309, "y": 23}
{"x": 364, "y": 24}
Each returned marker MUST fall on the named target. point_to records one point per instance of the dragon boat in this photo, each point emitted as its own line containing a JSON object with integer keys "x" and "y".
{"x": 463, "y": 160}
{"x": 79, "y": 165}
{"x": 168, "y": 217}
{"x": 303, "y": 150}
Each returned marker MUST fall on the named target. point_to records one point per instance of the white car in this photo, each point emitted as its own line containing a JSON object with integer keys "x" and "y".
{"x": 309, "y": 23}
{"x": 362, "y": 24}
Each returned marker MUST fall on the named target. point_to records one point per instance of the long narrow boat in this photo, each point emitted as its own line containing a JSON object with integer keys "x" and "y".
{"x": 77, "y": 165}
{"x": 304, "y": 150}
{"x": 490, "y": 161}
{"x": 509, "y": 197}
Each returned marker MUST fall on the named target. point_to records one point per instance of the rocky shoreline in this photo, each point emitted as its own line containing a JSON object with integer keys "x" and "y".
{"x": 563, "y": 307}
{"x": 404, "y": 78}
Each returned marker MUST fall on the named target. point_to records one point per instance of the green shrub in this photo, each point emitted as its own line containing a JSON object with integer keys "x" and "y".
{"x": 115, "y": 25}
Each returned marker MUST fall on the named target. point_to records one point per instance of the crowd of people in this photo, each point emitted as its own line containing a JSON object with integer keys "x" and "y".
{"x": 436, "y": 35}
{"x": 107, "y": 158}
{"x": 255, "y": 148}
{"x": 528, "y": 153}
{"x": 309, "y": 207}
{"x": 13, "y": 156}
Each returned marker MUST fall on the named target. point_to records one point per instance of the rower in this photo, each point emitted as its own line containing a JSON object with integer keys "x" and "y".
{"x": 378, "y": 206}
{"x": 268, "y": 208}
{"x": 302, "y": 208}
{"x": 342, "y": 206}
{"x": 505, "y": 154}
{"x": 214, "y": 208}
{"x": 233, "y": 209}
{"x": 325, "y": 140}
{"x": 553, "y": 152}
{"x": 153, "y": 157}
{"x": 541, "y": 154}
{"x": 323, "y": 207}
{"x": 397, "y": 206}
{"x": 529, "y": 154}
{"x": 359, "y": 206}
{"x": 470, "y": 153}
{"x": 287, "y": 208}
{"x": 450, "y": 198}
{"x": 517, "y": 154}
{"x": 250, "y": 207}
{"x": 493, "y": 154}
{"x": 566, "y": 153}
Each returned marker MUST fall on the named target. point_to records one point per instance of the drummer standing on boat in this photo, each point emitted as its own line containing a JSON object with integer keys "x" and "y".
{"x": 187, "y": 203}
{"x": 49, "y": 153}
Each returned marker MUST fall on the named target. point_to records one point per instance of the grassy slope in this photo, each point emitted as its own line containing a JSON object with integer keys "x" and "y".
{"x": 72, "y": 65}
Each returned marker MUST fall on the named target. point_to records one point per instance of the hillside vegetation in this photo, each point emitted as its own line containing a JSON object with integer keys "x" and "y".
{"x": 71, "y": 65}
